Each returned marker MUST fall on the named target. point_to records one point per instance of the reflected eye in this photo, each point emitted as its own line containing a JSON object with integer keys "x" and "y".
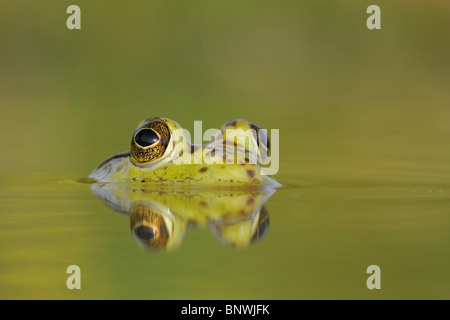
{"x": 146, "y": 137}
{"x": 148, "y": 227}
{"x": 144, "y": 233}
{"x": 150, "y": 141}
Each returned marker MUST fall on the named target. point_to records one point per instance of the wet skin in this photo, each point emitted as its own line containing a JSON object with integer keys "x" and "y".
{"x": 160, "y": 153}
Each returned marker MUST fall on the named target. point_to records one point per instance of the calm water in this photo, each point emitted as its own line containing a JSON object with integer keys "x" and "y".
{"x": 364, "y": 123}
{"x": 318, "y": 244}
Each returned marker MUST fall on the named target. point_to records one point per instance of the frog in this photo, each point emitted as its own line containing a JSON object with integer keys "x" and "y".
{"x": 159, "y": 218}
{"x": 161, "y": 153}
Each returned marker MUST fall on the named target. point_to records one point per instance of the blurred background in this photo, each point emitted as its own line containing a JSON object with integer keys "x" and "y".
{"x": 356, "y": 108}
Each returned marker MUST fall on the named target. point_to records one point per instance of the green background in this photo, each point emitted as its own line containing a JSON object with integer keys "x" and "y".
{"x": 364, "y": 120}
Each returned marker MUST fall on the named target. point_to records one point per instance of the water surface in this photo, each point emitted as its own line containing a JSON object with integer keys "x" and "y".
{"x": 363, "y": 117}
{"x": 318, "y": 244}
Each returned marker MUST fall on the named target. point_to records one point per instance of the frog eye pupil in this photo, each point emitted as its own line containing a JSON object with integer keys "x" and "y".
{"x": 145, "y": 233}
{"x": 146, "y": 137}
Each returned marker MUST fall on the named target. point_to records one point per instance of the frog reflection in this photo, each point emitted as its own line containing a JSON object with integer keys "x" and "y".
{"x": 160, "y": 217}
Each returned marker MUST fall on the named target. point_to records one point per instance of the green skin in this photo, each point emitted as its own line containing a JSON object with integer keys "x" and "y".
{"x": 183, "y": 163}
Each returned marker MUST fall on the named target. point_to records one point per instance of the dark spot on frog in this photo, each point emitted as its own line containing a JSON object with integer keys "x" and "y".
{"x": 250, "y": 201}
{"x": 203, "y": 203}
{"x": 194, "y": 148}
{"x": 250, "y": 173}
{"x": 203, "y": 169}
{"x": 233, "y": 123}
{"x": 142, "y": 180}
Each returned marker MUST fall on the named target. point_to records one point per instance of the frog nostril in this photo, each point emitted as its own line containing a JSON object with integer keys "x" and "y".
{"x": 144, "y": 233}
{"x": 146, "y": 137}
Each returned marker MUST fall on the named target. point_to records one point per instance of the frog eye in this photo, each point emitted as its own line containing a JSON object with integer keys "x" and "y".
{"x": 262, "y": 140}
{"x": 146, "y": 137}
{"x": 263, "y": 225}
{"x": 155, "y": 236}
{"x": 150, "y": 141}
{"x": 148, "y": 228}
